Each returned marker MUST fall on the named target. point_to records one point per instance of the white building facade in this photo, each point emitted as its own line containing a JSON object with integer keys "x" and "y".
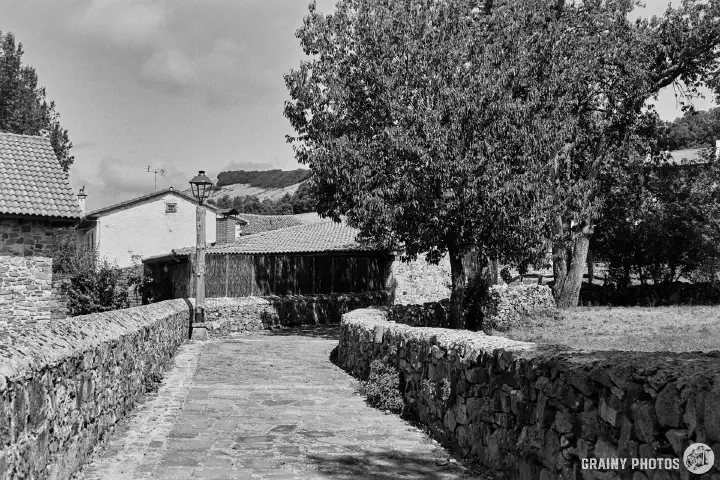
{"x": 149, "y": 225}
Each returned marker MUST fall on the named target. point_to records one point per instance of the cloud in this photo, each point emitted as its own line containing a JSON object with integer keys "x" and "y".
{"x": 117, "y": 180}
{"x": 124, "y": 22}
{"x": 211, "y": 71}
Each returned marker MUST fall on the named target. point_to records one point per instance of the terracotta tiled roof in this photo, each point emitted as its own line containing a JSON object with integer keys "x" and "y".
{"x": 32, "y": 182}
{"x": 137, "y": 200}
{"x": 265, "y": 223}
{"x": 313, "y": 238}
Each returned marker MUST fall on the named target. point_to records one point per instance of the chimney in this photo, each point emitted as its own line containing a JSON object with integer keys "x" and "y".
{"x": 81, "y": 198}
{"x": 225, "y": 229}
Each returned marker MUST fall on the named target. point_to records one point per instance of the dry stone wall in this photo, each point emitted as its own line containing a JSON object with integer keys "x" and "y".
{"x": 418, "y": 281}
{"x": 233, "y": 315}
{"x": 537, "y": 412}
{"x": 65, "y": 383}
{"x": 508, "y": 306}
{"x": 505, "y": 307}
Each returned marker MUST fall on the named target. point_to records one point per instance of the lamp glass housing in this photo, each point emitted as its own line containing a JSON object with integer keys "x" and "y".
{"x": 201, "y": 187}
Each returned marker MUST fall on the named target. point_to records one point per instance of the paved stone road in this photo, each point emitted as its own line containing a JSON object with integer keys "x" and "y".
{"x": 265, "y": 406}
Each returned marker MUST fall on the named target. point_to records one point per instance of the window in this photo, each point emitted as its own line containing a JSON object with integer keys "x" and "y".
{"x": 171, "y": 208}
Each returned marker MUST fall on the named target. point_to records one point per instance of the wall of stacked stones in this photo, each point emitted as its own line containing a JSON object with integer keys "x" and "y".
{"x": 232, "y": 315}
{"x": 26, "y": 290}
{"x": 508, "y": 306}
{"x": 536, "y": 412}
{"x": 65, "y": 383}
{"x": 418, "y": 281}
{"x": 505, "y": 306}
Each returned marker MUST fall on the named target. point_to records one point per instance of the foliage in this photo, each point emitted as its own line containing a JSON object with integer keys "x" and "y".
{"x": 95, "y": 285}
{"x": 382, "y": 388}
{"x": 485, "y": 126}
{"x": 441, "y": 390}
{"x": 299, "y": 202}
{"x": 662, "y": 223}
{"x": 24, "y": 108}
{"x": 264, "y": 178}
{"x": 399, "y": 116}
{"x": 692, "y": 130}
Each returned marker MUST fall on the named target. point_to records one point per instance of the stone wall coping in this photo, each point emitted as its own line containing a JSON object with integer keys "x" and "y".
{"x": 24, "y": 348}
{"x": 609, "y": 367}
{"x": 376, "y": 319}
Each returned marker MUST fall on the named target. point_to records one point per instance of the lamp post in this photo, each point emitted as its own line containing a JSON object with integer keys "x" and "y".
{"x": 201, "y": 191}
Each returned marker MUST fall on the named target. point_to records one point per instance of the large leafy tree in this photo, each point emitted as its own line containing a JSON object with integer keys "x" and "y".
{"x": 397, "y": 117}
{"x": 610, "y": 70}
{"x": 24, "y": 108}
{"x": 443, "y": 125}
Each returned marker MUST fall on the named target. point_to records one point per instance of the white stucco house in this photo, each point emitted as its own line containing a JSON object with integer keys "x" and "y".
{"x": 144, "y": 226}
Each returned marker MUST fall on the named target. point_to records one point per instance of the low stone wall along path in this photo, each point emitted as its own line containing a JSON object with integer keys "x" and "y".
{"x": 266, "y": 406}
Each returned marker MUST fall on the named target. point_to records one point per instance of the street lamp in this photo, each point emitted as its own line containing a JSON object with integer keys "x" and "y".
{"x": 201, "y": 187}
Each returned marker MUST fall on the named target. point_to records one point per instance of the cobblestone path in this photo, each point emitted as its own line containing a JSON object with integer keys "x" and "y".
{"x": 265, "y": 406}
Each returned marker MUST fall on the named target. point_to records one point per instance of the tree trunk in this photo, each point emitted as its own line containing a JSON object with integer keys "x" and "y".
{"x": 494, "y": 272}
{"x": 478, "y": 274}
{"x": 459, "y": 282}
{"x": 559, "y": 269}
{"x": 591, "y": 266}
{"x": 567, "y": 292}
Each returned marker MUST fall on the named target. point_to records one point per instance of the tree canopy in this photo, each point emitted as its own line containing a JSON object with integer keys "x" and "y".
{"x": 452, "y": 126}
{"x": 24, "y": 108}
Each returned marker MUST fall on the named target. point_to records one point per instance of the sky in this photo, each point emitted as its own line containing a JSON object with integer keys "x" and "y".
{"x": 176, "y": 85}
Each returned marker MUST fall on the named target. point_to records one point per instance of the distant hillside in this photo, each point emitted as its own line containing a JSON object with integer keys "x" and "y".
{"x": 266, "y": 179}
{"x": 269, "y": 192}
{"x": 262, "y": 193}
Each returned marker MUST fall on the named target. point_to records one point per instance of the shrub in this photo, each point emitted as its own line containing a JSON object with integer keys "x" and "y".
{"x": 94, "y": 284}
{"x": 382, "y": 388}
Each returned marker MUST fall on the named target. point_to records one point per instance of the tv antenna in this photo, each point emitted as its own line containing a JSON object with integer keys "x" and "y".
{"x": 156, "y": 171}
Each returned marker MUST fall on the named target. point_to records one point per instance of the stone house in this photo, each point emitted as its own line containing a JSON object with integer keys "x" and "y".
{"x": 36, "y": 202}
{"x": 148, "y": 225}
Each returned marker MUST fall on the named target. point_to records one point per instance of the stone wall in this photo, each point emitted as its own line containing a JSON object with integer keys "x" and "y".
{"x": 429, "y": 314}
{"x": 65, "y": 383}
{"x": 507, "y": 306}
{"x": 537, "y": 412}
{"x": 232, "y": 315}
{"x": 419, "y": 282}
{"x": 26, "y": 292}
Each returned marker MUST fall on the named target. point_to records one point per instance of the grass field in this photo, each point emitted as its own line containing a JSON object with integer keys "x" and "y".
{"x": 677, "y": 329}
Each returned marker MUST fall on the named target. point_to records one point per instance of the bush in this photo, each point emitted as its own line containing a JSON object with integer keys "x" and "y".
{"x": 94, "y": 284}
{"x": 382, "y": 388}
